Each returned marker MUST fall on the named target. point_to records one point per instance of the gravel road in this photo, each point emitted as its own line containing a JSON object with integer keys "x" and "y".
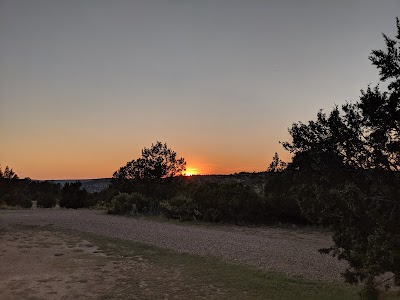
{"x": 294, "y": 252}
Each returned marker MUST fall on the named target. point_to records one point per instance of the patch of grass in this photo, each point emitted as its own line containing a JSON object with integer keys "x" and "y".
{"x": 220, "y": 279}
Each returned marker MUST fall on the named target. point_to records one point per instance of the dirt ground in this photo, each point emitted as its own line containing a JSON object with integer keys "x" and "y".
{"x": 37, "y": 265}
{"x": 41, "y": 264}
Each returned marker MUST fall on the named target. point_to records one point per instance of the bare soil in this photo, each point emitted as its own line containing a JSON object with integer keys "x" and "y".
{"x": 37, "y": 263}
{"x": 48, "y": 265}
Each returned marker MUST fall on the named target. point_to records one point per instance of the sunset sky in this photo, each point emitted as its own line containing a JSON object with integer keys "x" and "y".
{"x": 85, "y": 85}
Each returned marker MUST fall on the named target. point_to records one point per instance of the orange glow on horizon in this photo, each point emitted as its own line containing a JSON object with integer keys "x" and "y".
{"x": 191, "y": 172}
{"x": 89, "y": 160}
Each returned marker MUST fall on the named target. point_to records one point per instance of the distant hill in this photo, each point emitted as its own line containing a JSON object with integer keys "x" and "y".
{"x": 91, "y": 185}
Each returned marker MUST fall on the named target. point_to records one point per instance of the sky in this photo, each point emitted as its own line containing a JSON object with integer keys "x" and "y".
{"x": 85, "y": 85}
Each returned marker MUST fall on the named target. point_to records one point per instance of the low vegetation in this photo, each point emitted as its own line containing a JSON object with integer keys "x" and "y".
{"x": 73, "y": 196}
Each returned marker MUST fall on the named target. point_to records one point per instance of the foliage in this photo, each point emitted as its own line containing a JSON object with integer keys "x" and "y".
{"x": 104, "y": 197}
{"x": 125, "y": 203}
{"x": 156, "y": 162}
{"x": 47, "y": 200}
{"x": 164, "y": 188}
{"x": 155, "y": 174}
{"x": 8, "y": 173}
{"x": 45, "y": 193}
{"x": 73, "y": 196}
{"x": 179, "y": 207}
{"x": 122, "y": 204}
{"x": 21, "y": 192}
{"x": 236, "y": 199}
{"x": 346, "y": 166}
{"x": 14, "y": 191}
{"x": 281, "y": 202}
{"x": 277, "y": 165}
{"x": 17, "y": 199}
{"x": 228, "y": 202}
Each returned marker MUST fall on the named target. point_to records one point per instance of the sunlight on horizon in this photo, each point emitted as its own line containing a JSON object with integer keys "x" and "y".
{"x": 191, "y": 172}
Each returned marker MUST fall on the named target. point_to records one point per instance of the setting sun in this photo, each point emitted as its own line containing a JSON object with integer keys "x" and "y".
{"x": 191, "y": 171}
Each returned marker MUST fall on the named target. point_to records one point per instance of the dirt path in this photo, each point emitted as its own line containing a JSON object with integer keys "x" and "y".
{"x": 292, "y": 252}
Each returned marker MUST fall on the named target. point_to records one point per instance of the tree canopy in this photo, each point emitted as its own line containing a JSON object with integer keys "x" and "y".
{"x": 8, "y": 173}
{"x": 157, "y": 162}
{"x": 347, "y": 164}
{"x": 363, "y": 135}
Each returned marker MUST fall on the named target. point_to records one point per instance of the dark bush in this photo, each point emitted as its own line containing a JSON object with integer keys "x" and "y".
{"x": 165, "y": 188}
{"x": 281, "y": 200}
{"x": 45, "y": 193}
{"x": 229, "y": 202}
{"x": 147, "y": 205}
{"x": 14, "y": 191}
{"x": 122, "y": 204}
{"x": 73, "y": 196}
{"x": 179, "y": 207}
{"x": 125, "y": 203}
{"x": 46, "y": 201}
{"x": 17, "y": 199}
{"x": 104, "y": 197}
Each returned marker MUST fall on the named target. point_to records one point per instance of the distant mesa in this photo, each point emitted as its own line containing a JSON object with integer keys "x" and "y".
{"x": 91, "y": 185}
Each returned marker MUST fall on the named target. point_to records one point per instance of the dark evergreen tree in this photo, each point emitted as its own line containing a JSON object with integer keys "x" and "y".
{"x": 156, "y": 162}
{"x": 155, "y": 174}
{"x": 346, "y": 165}
{"x": 277, "y": 165}
{"x": 73, "y": 195}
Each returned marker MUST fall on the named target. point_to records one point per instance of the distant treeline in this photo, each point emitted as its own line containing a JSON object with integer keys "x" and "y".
{"x": 245, "y": 198}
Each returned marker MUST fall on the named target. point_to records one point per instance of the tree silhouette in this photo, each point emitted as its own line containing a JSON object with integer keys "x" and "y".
{"x": 347, "y": 165}
{"x": 73, "y": 195}
{"x": 277, "y": 165}
{"x": 8, "y": 173}
{"x": 157, "y": 162}
{"x": 156, "y": 173}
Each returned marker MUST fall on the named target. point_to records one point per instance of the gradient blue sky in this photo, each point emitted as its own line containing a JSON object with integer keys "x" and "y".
{"x": 85, "y": 85}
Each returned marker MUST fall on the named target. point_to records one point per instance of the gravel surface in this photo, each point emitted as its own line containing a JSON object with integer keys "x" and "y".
{"x": 291, "y": 251}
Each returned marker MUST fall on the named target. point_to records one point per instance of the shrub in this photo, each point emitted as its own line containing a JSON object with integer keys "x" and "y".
{"x": 179, "y": 207}
{"x": 14, "y": 191}
{"x": 146, "y": 205}
{"x": 104, "y": 197}
{"x": 125, "y": 203}
{"x": 281, "y": 200}
{"x": 164, "y": 188}
{"x": 73, "y": 196}
{"x": 47, "y": 201}
{"x": 229, "y": 202}
{"x": 45, "y": 193}
{"x": 17, "y": 199}
{"x": 122, "y": 204}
